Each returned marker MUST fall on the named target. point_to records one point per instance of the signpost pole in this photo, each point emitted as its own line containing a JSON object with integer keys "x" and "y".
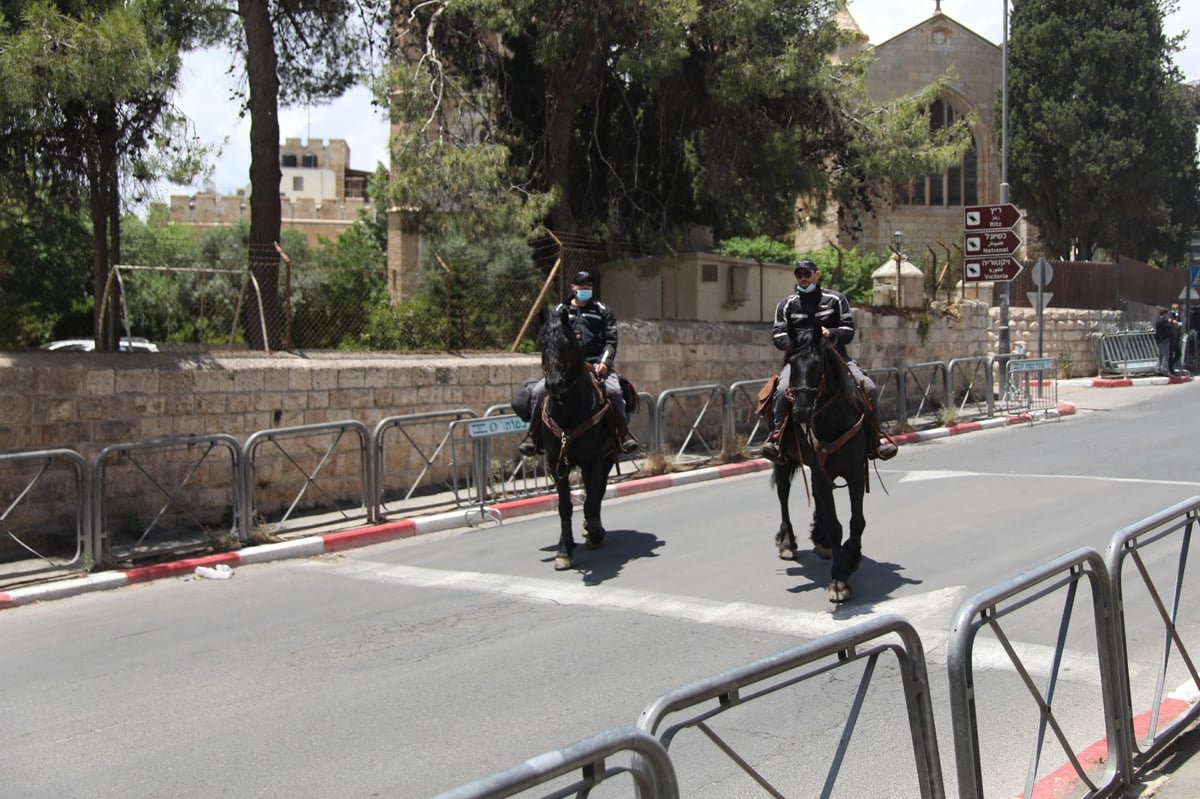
{"x": 1005, "y": 287}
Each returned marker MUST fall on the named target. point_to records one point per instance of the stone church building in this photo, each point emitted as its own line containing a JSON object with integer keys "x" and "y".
{"x": 928, "y": 211}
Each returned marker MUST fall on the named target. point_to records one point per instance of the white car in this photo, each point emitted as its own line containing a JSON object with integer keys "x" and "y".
{"x": 128, "y": 344}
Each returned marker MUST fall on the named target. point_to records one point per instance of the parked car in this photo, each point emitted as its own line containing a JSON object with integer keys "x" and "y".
{"x": 128, "y": 344}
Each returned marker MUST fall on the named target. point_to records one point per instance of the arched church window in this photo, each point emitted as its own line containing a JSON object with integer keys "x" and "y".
{"x": 958, "y": 185}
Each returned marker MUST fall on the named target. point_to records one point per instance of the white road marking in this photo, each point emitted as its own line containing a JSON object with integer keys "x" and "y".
{"x": 928, "y": 612}
{"x": 936, "y": 474}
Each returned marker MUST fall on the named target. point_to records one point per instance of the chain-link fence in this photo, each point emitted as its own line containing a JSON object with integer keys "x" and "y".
{"x": 185, "y": 289}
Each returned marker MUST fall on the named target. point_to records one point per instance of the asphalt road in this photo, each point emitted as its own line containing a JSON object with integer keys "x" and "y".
{"x": 406, "y": 668}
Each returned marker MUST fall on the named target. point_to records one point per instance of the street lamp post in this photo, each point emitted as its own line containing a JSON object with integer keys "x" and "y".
{"x": 1003, "y": 344}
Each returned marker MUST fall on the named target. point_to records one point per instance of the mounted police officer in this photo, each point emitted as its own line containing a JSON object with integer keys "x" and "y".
{"x": 595, "y": 325}
{"x": 831, "y": 310}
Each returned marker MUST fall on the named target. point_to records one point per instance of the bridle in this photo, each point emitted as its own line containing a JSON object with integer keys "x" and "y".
{"x": 823, "y": 450}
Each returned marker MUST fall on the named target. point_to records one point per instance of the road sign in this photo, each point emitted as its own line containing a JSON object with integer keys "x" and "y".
{"x": 1042, "y": 273}
{"x": 1031, "y": 365}
{"x": 991, "y": 242}
{"x": 990, "y": 217}
{"x": 1033, "y": 299}
{"x": 1195, "y": 280}
{"x": 495, "y": 426}
{"x": 1001, "y": 269}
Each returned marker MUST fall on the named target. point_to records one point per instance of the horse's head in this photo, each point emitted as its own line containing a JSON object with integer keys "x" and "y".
{"x": 562, "y": 358}
{"x": 806, "y": 380}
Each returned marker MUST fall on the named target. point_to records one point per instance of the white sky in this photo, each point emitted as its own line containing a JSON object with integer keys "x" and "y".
{"x": 207, "y": 88}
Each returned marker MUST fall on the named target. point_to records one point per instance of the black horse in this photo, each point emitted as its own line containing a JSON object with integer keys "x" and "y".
{"x": 576, "y": 432}
{"x": 827, "y": 432}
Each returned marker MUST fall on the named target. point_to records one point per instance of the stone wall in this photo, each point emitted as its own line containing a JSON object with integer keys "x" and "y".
{"x": 86, "y": 401}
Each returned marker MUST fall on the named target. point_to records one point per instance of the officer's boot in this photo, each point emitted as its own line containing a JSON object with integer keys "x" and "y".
{"x": 625, "y": 439}
{"x": 531, "y": 444}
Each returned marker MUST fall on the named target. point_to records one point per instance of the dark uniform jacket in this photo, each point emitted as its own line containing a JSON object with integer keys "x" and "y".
{"x": 826, "y": 307}
{"x": 596, "y": 325}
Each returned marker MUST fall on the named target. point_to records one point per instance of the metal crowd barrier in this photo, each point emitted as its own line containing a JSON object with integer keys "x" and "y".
{"x": 698, "y": 705}
{"x": 707, "y": 433}
{"x": 930, "y": 381}
{"x": 306, "y": 450}
{"x": 428, "y": 436}
{"x": 985, "y": 611}
{"x": 969, "y": 387}
{"x": 651, "y": 769}
{"x": 45, "y": 466}
{"x": 192, "y": 508}
{"x": 1150, "y": 596}
{"x": 1125, "y": 352}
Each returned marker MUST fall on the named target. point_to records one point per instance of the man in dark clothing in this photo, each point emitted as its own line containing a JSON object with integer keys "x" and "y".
{"x": 1162, "y": 337}
{"x": 596, "y": 326}
{"x": 831, "y": 310}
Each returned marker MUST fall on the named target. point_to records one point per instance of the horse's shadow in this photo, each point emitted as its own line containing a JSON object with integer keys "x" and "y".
{"x": 873, "y": 582}
{"x": 620, "y": 547}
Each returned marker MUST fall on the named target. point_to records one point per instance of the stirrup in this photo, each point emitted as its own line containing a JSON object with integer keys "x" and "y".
{"x": 885, "y": 450}
{"x": 629, "y": 443}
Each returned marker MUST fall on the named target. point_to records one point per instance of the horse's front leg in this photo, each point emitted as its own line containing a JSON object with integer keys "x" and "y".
{"x": 596, "y": 484}
{"x": 566, "y": 539}
{"x": 785, "y": 539}
{"x": 858, "y": 522}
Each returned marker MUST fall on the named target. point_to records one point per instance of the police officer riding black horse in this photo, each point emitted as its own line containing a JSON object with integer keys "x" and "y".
{"x": 595, "y": 325}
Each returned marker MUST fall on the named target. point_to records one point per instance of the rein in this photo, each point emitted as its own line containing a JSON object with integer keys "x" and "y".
{"x": 823, "y": 450}
{"x": 565, "y": 437}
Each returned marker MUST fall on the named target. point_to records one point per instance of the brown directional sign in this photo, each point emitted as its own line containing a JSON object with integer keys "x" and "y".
{"x": 1001, "y": 269}
{"x": 990, "y": 217}
{"x": 984, "y": 243}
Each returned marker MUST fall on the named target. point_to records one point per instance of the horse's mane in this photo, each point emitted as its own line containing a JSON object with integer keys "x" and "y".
{"x": 555, "y": 343}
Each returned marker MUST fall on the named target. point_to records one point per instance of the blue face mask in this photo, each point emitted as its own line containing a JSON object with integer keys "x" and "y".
{"x": 583, "y": 295}
{"x": 809, "y": 289}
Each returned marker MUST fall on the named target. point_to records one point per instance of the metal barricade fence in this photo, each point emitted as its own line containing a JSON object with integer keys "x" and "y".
{"x": 891, "y": 395}
{"x": 51, "y": 475}
{"x": 302, "y": 454}
{"x": 428, "y": 439}
{"x": 1125, "y": 352}
{"x": 746, "y": 426}
{"x": 1059, "y": 577}
{"x": 1153, "y": 598}
{"x": 969, "y": 387}
{"x": 197, "y": 493}
{"x": 922, "y": 390}
{"x": 650, "y": 768}
{"x": 1029, "y": 384}
{"x": 700, "y": 705}
{"x": 497, "y": 469}
{"x": 685, "y": 416}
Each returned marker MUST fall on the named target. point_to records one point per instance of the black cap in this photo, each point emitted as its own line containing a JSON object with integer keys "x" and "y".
{"x": 805, "y": 264}
{"x": 582, "y": 279}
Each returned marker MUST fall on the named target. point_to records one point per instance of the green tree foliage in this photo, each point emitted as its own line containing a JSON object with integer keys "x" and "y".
{"x": 761, "y": 248}
{"x": 1102, "y": 133}
{"x": 293, "y": 51}
{"x": 640, "y": 119}
{"x": 84, "y": 99}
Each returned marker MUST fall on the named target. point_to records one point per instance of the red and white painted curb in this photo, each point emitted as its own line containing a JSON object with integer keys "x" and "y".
{"x": 1063, "y": 781}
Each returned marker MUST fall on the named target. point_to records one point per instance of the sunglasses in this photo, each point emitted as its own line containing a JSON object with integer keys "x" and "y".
{"x": 804, "y": 273}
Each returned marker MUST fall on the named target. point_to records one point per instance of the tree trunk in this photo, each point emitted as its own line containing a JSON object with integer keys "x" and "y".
{"x": 265, "y": 174}
{"x": 104, "y": 208}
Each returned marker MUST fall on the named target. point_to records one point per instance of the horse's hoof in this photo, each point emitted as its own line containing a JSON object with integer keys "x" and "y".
{"x": 823, "y": 552}
{"x": 562, "y": 563}
{"x": 593, "y": 534}
{"x": 787, "y": 553}
{"x": 839, "y": 592}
